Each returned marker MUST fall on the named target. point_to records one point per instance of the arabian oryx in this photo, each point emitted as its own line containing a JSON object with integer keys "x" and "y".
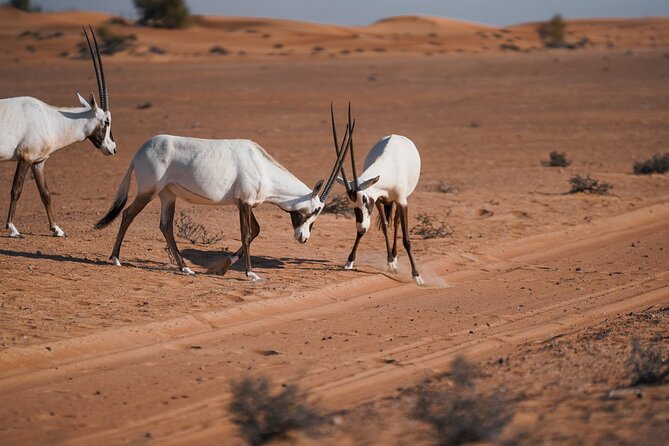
{"x": 216, "y": 172}
{"x": 392, "y": 169}
{"x": 33, "y": 130}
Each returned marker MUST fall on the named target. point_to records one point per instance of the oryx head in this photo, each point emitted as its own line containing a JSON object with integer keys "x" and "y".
{"x": 305, "y": 214}
{"x": 363, "y": 203}
{"x": 101, "y": 135}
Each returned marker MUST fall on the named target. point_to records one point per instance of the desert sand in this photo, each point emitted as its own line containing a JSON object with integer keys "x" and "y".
{"x": 524, "y": 287}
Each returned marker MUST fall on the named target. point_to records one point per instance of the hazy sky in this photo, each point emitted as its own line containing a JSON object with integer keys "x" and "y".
{"x": 359, "y": 12}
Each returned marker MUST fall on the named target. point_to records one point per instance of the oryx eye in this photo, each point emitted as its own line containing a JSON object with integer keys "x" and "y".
{"x": 364, "y": 199}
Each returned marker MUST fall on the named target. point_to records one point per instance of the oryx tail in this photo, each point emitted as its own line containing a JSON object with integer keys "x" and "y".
{"x": 120, "y": 200}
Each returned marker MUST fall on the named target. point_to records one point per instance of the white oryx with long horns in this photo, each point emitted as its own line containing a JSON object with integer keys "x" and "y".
{"x": 216, "y": 172}
{"x": 392, "y": 169}
{"x": 30, "y": 131}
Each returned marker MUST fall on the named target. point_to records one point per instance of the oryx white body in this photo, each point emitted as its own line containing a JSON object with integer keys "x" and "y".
{"x": 215, "y": 172}
{"x": 31, "y": 130}
{"x": 395, "y": 160}
{"x": 392, "y": 170}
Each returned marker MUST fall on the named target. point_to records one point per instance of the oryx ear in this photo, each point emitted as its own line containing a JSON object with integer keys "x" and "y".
{"x": 341, "y": 181}
{"x": 91, "y": 101}
{"x": 317, "y": 188}
{"x": 83, "y": 101}
{"x": 372, "y": 181}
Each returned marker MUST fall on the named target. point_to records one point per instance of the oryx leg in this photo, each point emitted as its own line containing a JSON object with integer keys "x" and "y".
{"x": 129, "y": 215}
{"x": 40, "y": 181}
{"x": 354, "y": 251}
{"x": 246, "y": 219}
{"x": 222, "y": 268}
{"x": 396, "y": 225}
{"x": 404, "y": 217}
{"x": 17, "y": 187}
{"x": 392, "y": 260}
{"x": 167, "y": 204}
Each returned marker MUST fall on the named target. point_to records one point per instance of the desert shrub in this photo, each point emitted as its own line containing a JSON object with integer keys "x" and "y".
{"x": 219, "y": 50}
{"x": 262, "y": 416}
{"x": 552, "y": 32}
{"x": 648, "y": 365}
{"x": 340, "y": 205}
{"x": 163, "y": 13}
{"x": 195, "y": 232}
{"x": 557, "y": 159}
{"x": 588, "y": 185}
{"x": 431, "y": 227}
{"x": 445, "y": 188}
{"x": 461, "y": 415}
{"x": 110, "y": 42}
{"x": 657, "y": 164}
{"x": 24, "y": 5}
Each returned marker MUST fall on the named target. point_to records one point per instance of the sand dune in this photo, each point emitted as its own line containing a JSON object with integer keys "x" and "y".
{"x": 261, "y": 37}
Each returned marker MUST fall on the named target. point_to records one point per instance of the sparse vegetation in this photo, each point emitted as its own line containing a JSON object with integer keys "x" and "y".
{"x": 657, "y": 164}
{"x": 461, "y": 415}
{"x": 163, "y": 13}
{"x": 24, "y": 5}
{"x": 195, "y": 232}
{"x": 110, "y": 42}
{"x": 263, "y": 417}
{"x": 648, "y": 365}
{"x": 429, "y": 227}
{"x": 340, "y": 205}
{"x": 588, "y": 185}
{"x": 552, "y": 32}
{"x": 219, "y": 50}
{"x": 445, "y": 188}
{"x": 557, "y": 159}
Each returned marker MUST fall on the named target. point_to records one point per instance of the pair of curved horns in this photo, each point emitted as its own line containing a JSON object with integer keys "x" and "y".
{"x": 99, "y": 72}
{"x": 340, "y": 151}
{"x": 350, "y": 124}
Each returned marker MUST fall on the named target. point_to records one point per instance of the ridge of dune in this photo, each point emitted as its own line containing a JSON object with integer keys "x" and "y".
{"x": 421, "y": 23}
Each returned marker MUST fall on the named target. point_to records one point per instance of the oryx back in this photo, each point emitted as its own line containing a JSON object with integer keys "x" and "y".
{"x": 396, "y": 160}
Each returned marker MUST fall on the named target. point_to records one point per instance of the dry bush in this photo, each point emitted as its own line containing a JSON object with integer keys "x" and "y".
{"x": 263, "y": 417}
{"x": 445, "y": 188}
{"x": 657, "y": 164}
{"x": 431, "y": 227}
{"x": 462, "y": 414}
{"x": 648, "y": 365}
{"x": 195, "y": 232}
{"x": 340, "y": 205}
{"x": 588, "y": 185}
{"x": 110, "y": 42}
{"x": 557, "y": 159}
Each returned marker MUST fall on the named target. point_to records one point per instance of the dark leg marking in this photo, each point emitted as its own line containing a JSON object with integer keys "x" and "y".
{"x": 168, "y": 204}
{"x": 129, "y": 215}
{"x": 384, "y": 228}
{"x": 404, "y": 217}
{"x": 40, "y": 181}
{"x": 17, "y": 186}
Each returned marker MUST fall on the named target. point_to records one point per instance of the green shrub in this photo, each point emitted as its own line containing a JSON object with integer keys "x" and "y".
{"x": 552, "y": 32}
{"x": 163, "y": 13}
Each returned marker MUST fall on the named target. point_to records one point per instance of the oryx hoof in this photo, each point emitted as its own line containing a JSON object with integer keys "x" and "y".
{"x": 392, "y": 266}
{"x": 419, "y": 280}
{"x": 13, "y": 232}
{"x": 115, "y": 261}
{"x": 349, "y": 265}
{"x": 253, "y": 276}
{"x": 57, "y": 232}
{"x": 187, "y": 271}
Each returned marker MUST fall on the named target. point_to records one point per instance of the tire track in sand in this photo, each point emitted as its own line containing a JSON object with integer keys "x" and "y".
{"x": 362, "y": 385}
